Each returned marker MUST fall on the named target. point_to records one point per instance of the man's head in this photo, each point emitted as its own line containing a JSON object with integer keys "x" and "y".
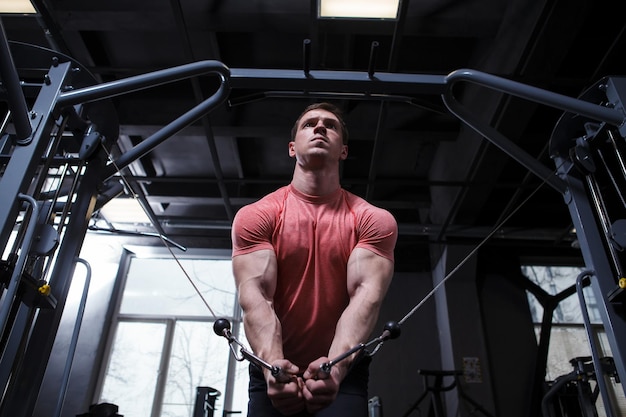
{"x": 330, "y": 108}
{"x": 319, "y": 137}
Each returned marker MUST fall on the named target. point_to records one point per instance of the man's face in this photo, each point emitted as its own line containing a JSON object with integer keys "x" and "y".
{"x": 318, "y": 136}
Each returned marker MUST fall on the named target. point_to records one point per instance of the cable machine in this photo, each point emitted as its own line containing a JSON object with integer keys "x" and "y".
{"x": 55, "y": 173}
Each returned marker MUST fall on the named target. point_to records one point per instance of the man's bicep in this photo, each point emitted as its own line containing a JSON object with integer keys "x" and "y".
{"x": 255, "y": 275}
{"x": 369, "y": 270}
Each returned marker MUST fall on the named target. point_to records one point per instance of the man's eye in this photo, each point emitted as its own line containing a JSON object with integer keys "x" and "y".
{"x": 331, "y": 126}
{"x": 307, "y": 124}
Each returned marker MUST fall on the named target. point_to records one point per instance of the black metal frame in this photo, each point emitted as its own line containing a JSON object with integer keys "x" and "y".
{"x": 36, "y": 126}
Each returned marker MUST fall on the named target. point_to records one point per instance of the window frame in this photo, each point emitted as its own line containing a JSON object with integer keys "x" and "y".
{"x": 114, "y": 317}
{"x": 596, "y": 332}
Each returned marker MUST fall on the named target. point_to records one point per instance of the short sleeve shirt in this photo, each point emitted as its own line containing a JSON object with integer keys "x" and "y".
{"x": 313, "y": 238}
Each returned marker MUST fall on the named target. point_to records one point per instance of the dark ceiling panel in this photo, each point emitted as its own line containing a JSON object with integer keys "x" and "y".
{"x": 407, "y": 153}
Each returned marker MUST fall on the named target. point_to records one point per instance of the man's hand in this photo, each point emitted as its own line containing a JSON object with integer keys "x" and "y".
{"x": 285, "y": 393}
{"x": 320, "y": 388}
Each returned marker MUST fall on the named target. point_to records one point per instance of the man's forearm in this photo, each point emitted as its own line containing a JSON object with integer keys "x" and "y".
{"x": 369, "y": 276}
{"x": 264, "y": 332}
{"x": 354, "y": 327}
{"x": 255, "y": 275}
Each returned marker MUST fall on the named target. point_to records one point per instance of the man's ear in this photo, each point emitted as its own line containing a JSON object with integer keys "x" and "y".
{"x": 344, "y": 152}
{"x": 292, "y": 149}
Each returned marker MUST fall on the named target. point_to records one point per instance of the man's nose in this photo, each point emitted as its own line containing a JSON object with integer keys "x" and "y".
{"x": 320, "y": 126}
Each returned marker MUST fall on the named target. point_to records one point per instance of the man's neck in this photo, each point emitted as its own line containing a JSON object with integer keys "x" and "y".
{"x": 315, "y": 182}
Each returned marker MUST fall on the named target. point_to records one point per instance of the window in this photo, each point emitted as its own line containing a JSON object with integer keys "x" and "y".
{"x": 163, "y": 346}
{"x": 554, "y": 280}
{"x": 568, "y": 338}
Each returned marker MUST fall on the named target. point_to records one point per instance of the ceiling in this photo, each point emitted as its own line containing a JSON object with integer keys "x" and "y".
{"x": 407, "y": 153}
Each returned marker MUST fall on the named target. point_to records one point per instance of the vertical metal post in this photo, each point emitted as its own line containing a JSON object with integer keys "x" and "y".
{"x": 74, "y": 341}
{"x": 306, "y": 56}
{"x": 18, "y": 269}
{"x": 14, "y": 186}
{"x": 592, "y": 245}
{"x": 205, "y": 401}
{"x": 24, "y": 161}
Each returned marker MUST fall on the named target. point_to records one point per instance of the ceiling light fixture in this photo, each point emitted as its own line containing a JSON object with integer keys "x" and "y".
{"x": 358, "y": 9}
{"x": 17, "y": 7}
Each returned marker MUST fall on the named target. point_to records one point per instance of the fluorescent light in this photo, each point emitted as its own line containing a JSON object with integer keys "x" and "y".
{"x": 359, "y": 9}
{"x": 17, "y": 6}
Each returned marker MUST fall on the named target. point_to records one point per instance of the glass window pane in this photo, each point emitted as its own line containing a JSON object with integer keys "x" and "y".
{"x": 133, "y": 369}
{"x": 554, "y": 280}
{"x": 240, "y": 394}
{"x": 160, "y": 287}
{"x": 566, "y": 343}
{"x": 199, "y": 358}
{"x": 158, "y": 290}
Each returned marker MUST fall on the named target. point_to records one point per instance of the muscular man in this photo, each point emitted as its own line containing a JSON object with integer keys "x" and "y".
{"x": 312, "y": 263}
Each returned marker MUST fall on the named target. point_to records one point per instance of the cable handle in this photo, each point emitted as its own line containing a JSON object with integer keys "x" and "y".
{"x": 221, "y": 327}
{"x": 391, "y": 330}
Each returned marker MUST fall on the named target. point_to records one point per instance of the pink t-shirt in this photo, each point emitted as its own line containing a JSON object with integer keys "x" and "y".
{"x": 313, "y": 238}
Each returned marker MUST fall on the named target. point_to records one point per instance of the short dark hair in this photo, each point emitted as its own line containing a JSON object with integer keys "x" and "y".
{"x": 328, "y": 107}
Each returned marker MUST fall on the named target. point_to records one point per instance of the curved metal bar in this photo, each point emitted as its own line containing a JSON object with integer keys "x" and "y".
{"x": 153, "y": 79}
{"x": 170, "y": 129}
{"x": 538, "y": 95}
{"x": 510, "y": 148}
{"x": 143, "y": 81}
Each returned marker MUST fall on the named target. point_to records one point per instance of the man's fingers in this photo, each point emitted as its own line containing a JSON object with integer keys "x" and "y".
{"x": 287, "y": 397}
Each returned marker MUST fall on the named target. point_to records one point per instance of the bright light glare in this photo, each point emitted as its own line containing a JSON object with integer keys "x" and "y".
{"x": 124, "y": 210}
{"x": 368, "y": 9}
{"x": 16, "y": 6}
